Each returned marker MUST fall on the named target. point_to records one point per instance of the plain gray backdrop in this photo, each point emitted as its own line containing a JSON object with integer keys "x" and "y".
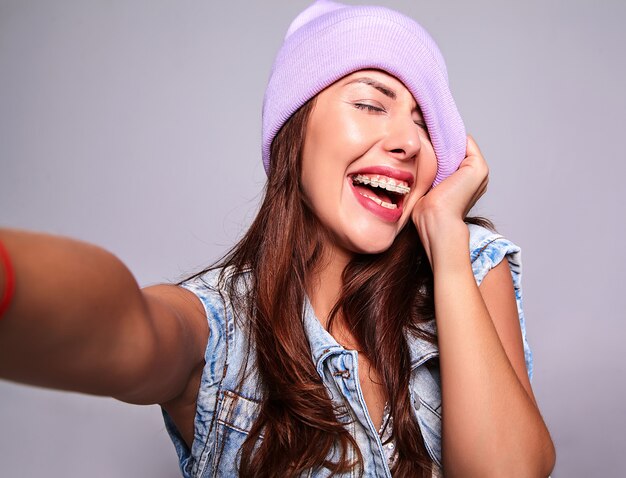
{"x": 136, "y": 126}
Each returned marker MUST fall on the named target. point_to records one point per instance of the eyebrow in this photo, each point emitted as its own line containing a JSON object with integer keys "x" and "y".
{"x": 385, "y": 90}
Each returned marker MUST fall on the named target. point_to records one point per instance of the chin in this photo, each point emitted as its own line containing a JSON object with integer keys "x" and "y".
{"x": 371, "y": 245}
{"x": 364, "y": 236}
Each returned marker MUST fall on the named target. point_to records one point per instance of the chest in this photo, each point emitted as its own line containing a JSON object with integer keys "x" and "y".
{"x": 210, "y": 428}
{"x": 372, "y": 389}
{"x": 225, "y": 410}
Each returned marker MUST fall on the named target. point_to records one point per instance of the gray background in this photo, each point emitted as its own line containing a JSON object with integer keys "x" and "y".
{"x": 136, "y": 126}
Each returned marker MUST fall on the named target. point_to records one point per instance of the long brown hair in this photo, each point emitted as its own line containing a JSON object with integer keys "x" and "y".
{"x": 384, "y": 297}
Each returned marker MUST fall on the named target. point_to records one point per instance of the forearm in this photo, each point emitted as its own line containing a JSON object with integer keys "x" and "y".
{"x": 491, "y": 427}
{"x": 72, "y": 303}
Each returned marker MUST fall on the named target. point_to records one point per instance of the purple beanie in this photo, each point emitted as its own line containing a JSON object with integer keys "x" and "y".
{"x": 329, "y": 40}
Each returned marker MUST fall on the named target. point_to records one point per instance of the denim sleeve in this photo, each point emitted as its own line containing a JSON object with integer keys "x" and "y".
{"x": 487, "y": 249}
{"x": 193, "y": 461}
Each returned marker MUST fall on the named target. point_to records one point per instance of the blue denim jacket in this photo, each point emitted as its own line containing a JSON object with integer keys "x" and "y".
{"x": 226, "y": 412}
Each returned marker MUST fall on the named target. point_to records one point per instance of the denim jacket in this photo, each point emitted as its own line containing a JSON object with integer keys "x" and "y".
{"x": 228, "y": 406}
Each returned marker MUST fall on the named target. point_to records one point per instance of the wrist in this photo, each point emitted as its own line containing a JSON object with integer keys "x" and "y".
{"x": 440, "y": 235}
{"x": 7, "y": 280}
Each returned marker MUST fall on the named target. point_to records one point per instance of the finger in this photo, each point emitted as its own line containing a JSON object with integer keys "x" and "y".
{"x": 479, "y": 193}
{"x": 475, "y": 156}
{"x": 482, "y": 191}
{"x": 472, "y": 147}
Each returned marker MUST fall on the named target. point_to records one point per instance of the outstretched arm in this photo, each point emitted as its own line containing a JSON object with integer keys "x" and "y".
{"x": 79, "y": 321}
{"x": 491, "y": 423}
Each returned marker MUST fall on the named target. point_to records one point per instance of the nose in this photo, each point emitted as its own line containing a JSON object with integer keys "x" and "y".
{"x": 402, "y": 139}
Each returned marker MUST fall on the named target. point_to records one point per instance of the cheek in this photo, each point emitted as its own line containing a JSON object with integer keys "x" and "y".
{"x": 336, "y": 136}
{"x": 425, "y": 175}
{"x": 332, "y": 143}
{"x": 426, "y": 169}
{"x": 318, "y": 167}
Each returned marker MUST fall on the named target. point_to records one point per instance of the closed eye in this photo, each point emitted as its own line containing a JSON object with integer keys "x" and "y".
{"x": 421, "y": 125}
{"x": 425, "y": 128}
{"x": 363, "y": 106}
{"x": 366, "y": 107}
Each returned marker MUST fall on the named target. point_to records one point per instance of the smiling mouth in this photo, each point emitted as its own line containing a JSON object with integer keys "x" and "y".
{"x": 383, "y": 190}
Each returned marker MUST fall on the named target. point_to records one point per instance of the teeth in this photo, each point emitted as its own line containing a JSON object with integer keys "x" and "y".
{"x": 388, "y": 205}
{"x": 383, "y": 182}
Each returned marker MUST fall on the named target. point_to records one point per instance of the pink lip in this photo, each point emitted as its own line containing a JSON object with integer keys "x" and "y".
{"x": 387, "y": 215}
{"x": 387, "y": 171}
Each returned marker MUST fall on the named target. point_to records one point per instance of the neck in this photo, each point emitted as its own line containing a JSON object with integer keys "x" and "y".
{"x": 325, "y": 282}
{"x": 324, "y": 290}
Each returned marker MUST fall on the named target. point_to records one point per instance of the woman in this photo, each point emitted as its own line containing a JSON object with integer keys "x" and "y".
{"x": 348, "y": 322}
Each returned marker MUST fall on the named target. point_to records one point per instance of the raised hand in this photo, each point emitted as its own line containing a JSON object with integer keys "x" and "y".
{"x": 438, "y": 215}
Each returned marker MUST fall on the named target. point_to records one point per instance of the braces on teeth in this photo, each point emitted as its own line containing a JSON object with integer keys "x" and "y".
{"x": 388, "y": 205}
{"x": 382, "y": 182}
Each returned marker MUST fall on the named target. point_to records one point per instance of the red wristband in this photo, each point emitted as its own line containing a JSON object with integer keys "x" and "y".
{"x": 9, "y": 286}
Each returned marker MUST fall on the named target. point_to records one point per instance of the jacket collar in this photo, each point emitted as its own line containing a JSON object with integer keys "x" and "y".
{"x": 421, "y": 350}
{"x": 323, "y": 344}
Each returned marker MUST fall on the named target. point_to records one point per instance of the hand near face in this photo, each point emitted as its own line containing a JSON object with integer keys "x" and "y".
{"x": 438, "y": 215}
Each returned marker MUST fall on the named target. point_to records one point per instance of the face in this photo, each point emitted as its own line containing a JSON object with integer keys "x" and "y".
{"x": 366, "y": 160}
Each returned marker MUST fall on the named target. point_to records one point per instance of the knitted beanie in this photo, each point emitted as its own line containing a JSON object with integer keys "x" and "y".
{"x": 330, "y": 40}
